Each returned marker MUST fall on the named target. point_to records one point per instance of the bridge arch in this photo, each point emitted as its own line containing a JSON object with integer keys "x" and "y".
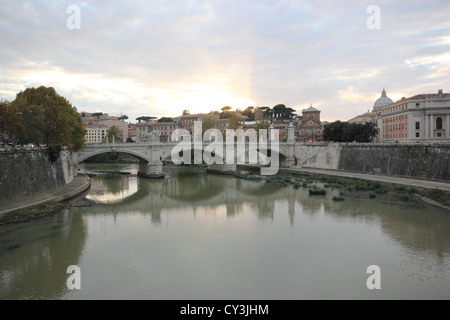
{"x": 83, "y": 156}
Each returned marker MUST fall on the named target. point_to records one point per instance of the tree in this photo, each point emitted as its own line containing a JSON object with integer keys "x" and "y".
{"x": 165, "y": 119}
{"x": 226, "y": 115}
{"x": 113, "y": 132}
{"x": 333, "y": 131}
{"x": 267, "y": 112}
{"x": 282, "y": 112}
{"x": 234, "y": 122}
{"x": 208, "y": 123}
{"x": 145, "y": 118}
{"x": 369, "y": 131}
{"x": 348, "y": 132}
{"x": 226, "y": 112}
{"x": 249, "y": 113}
{"x": 49, "y": 118}
{"x": 289, "y": 113}
{"x": 279, "y": 111}
{"x": 123, "y": 117}
{"x": 11, "y": 123}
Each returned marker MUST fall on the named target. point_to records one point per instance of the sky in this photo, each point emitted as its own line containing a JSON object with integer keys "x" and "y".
{"x": 160, "y": 57}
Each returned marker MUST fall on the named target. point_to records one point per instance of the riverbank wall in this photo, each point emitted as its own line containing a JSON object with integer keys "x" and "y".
{"x": 27, "y": 172}
{"x": 423, "y": 161}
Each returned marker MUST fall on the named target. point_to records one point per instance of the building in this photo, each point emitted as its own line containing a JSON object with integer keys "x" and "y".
{"x": 131, "y": 132}
{"x": 282, "y": 126}
{"x": 382, "y": 101}
{"x": 259, "y": 114}
{"x": 165, "y": 129}
{"x": 221, "y": 124}
{"x": 95, "y": 133}
{"x": 310, "y": 128}
{"x": 105, "y": 120}
{"x": 420, "y": 118}
{"x": 369, "y": 116}
{"x": 187, "y": 120}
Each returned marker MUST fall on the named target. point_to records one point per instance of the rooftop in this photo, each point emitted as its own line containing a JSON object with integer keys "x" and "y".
{"x": 311, "y": 109}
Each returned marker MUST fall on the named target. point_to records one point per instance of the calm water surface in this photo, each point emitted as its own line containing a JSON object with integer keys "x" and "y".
{"x": 200, "y": 236}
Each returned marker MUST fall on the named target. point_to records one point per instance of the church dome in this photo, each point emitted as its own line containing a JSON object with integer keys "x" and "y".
{"x": 382, "y": 101}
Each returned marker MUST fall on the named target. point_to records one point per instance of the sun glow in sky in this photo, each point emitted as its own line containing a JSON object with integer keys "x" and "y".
{"x": 160, "y": 57}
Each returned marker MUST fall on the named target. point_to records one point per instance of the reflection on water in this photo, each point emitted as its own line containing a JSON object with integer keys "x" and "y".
{"x": 111, "y": 188}
{"x": 194, "y": 235}
{"x": 34, "y": 256}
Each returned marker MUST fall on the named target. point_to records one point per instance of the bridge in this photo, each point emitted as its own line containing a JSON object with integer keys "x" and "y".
{"x": 152, "y": 152}
{"x": 151, "y": 155}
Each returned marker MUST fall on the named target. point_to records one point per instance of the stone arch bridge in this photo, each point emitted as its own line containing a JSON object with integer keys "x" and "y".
{"x": 151, "y": 155}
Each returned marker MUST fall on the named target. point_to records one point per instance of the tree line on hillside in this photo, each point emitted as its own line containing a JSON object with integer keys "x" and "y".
{"x": 42, "y": 117}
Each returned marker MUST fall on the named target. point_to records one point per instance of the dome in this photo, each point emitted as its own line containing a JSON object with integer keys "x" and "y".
{"x": 382, "y": 101}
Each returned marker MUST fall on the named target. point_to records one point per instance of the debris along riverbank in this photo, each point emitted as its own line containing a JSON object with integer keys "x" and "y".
{"x": 46, "y": 203}
{"x": 42, "y": 210}
{"x": 344, "y": 187}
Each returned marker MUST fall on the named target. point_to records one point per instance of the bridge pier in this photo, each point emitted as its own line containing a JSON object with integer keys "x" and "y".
{"x": 151, "y": 169}
{"x": 290, "y": 159}
{"x": 222, "y": 168}
{"x": 289, "y": 162}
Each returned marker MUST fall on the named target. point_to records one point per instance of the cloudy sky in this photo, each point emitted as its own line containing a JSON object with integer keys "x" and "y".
{"x": 159, "y": 57}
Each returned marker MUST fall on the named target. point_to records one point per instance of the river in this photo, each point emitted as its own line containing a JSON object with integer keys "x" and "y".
{"x": 195, "y": 235}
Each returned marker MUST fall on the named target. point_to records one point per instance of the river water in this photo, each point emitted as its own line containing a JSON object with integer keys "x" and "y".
{"x": 195, "y": 235}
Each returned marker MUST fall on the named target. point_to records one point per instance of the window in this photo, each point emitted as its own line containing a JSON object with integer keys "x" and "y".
{"x": 417, "y": 134}
{"x": 417, "y": 105}
{"x": 439, "y": 134}
{"x": 439, "y": 123}
{"x": 417, "y": 125}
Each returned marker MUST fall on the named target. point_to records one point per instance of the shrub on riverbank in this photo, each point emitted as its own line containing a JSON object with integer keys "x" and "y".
{"x": 437, "y": 195}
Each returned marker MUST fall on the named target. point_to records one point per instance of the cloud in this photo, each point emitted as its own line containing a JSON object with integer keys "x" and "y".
{"x": 161, "y": 57}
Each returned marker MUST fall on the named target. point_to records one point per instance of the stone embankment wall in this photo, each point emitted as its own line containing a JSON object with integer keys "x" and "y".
{"x": 427, "y": 161}
{"x": 318, "y": 155}
{"x": 24, "y": 172}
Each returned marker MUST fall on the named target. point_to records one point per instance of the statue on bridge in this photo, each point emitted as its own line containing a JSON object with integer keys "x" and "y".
{"x": 150, "y": 137}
